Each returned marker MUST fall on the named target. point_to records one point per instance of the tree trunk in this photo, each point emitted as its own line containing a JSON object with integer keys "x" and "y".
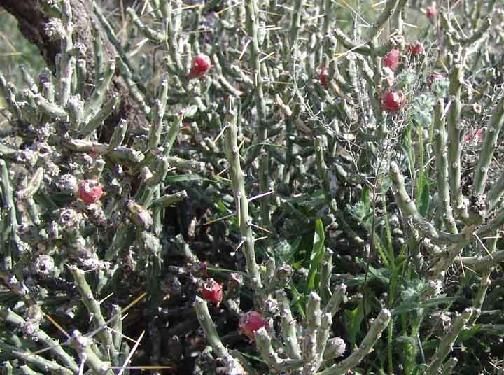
{"x": 33, "y": 18}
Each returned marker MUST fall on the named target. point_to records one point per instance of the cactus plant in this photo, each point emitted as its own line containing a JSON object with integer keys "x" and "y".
{"x": 252, "y": 187}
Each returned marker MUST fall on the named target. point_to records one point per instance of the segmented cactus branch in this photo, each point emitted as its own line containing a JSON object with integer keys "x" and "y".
{"x": 489, "y": 144}
{"x": 408, "y": 207}
{"x": 447, "y": 341}
{"x": 440, "y": 139}
{"x": 454, "y": 137}
{"x": 232, "y": 364}
{"x": 252, "y": 15}
{"x": 95, "y": 312}
{"x": 242, "y": 203}
{"x": 54, "y": 346}
{"x": 375, "y": 330}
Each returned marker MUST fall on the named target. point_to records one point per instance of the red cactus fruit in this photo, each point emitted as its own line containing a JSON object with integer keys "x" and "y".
{"x": 474, "y": 136}
{"x": 416, "y": 48}
{"x": 431, "y": 12}
{"x": 212, "y": 291}
{"x": 393, "y": 101}
{"x": 90, "y": 191}
{"x": 324, "y": 76}
{"x": 201, "y": 64}
{"x": 250, "y": 322}
{"x": 392, "y": 59}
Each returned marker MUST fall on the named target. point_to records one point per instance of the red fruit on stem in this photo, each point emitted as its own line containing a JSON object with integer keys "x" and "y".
{"x": 201, "y": 64}
{"x": 474, "y": 136}
{"x": 393, "y": 101}
{"x": 324, "y": 76}
{"x": 212, "y": 291}
{"x": 90, "y": 191}
{"x": 415, "y": 48}
{"x": 392, "y": 59}
{"x": 250, "y": 322}
{"x": 431, "y": 12}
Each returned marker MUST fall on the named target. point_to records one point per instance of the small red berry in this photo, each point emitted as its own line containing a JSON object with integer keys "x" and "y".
{"x": 90, "y": 191}
{"x": 431, "y": 12}
{"x": 324, "y": 76}
{"x": 201, "y": 64}
{"x": 392, "y": 59}
{"x": 474, "y": 136}
{"x": 250, "y": 322}
{"x": 212, "y": 291}
{"x": 415, "y": 48}
{"x": 393, "y": 101}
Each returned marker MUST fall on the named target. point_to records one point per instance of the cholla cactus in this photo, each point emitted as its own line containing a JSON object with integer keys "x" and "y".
{"x": 265, "y": 119}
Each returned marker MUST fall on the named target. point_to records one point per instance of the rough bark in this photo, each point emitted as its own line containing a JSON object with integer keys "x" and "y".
{"x": 32, "y": 19}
